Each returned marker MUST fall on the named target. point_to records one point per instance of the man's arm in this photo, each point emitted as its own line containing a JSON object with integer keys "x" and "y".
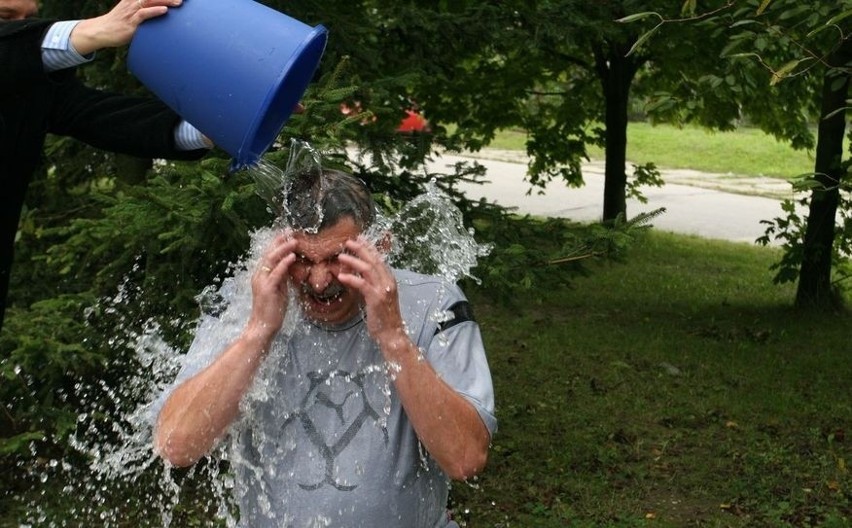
{"x": 138, "y": 126}
{"x": 445, "y": 422}
{"x": 201, "y": 409}
{"x": 59, "y": 52}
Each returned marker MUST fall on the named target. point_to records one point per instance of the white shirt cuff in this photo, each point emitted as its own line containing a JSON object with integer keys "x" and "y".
{"x": 57, "y": 52}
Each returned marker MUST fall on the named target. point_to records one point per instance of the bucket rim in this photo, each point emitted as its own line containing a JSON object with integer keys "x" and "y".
{"x": 240, "y": 159}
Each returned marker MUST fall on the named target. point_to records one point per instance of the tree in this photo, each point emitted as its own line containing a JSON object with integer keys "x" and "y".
{"x": 561, "y": 70}
{"x": 806, "y": 44}
{"x": 815, "y": 289}
{"x": 788, "y": 65}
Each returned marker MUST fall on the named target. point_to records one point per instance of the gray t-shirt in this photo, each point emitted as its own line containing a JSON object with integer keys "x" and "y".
{"x": 323, "y": 439}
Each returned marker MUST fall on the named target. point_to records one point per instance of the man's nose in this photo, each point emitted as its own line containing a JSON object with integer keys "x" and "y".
{"x": 320, "y": 276}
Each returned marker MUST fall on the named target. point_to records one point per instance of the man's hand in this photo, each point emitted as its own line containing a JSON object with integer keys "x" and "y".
{"x": 372, "y": 277}
{"x": 117, "y": 27}
{"x": 269, "y": 285}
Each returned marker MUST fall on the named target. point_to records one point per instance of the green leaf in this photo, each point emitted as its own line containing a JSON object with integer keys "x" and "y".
{"x": 732, "y": 46}
{"x": 838, "y": 83}
{"x": 830, "y": 23}
{"x": 763, "y": 5}
{"x": 835, "y": 112}
{"x": 784, "y": 71}
{"x": 742, "y": 55}
{"x": 19, "y": 442}
{"x": 638, "y": 16}
{"x": 805, "y": 182}
{"x": 739, "y": 23}
{"x": 837, "y": 18}
{"x": 641, "y": 40}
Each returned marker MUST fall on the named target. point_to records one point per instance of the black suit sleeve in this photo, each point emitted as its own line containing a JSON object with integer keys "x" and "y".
{"x": 137, "y": 126}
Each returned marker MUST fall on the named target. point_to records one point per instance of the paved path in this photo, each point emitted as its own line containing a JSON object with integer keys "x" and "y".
{"x": 706, "y": 205}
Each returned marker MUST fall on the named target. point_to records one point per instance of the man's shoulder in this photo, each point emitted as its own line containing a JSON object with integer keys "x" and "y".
{"x": 418, "y": 285}
{"x": 412, "y": 279}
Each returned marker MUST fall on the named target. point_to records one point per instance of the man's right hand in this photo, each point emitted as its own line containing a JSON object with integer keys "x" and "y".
{"x": 117, "y": 27}
{"x": 269, "y": 285}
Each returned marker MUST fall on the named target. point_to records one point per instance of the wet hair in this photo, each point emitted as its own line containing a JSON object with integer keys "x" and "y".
{"x": 319, "y": 199}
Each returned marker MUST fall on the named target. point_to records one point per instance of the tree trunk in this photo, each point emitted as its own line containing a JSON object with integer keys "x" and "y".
{"x": 814, "y": 289}
{"x": 616, "y": 72}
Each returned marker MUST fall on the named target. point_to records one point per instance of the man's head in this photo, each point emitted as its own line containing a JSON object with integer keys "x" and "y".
{"x": 18, "y": 9}
{"x": 326, "y": 210}
{"x": 319, "y": 199}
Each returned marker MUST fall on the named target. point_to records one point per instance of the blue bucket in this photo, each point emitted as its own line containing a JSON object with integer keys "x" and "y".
{"x": 235, "y": 69}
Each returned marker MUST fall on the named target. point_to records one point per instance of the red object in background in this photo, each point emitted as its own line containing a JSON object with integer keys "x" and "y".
{"x": 413, "y": 122}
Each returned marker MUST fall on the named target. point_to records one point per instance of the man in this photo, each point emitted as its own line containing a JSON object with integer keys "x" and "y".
{"x": 353, "y": 392}
{"x": 40, "y": 94}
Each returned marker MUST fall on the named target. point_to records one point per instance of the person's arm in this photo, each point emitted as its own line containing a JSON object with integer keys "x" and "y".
{"x": 445, "y": 422}
{"x": 59, "y": 52}
{"x": 116, "y": 28}
{"x": 201, "y": 409}
{"x": 134, "y": 125}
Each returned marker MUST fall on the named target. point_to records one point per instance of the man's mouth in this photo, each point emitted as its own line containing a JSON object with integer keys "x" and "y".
{"x": 328, "y": 296}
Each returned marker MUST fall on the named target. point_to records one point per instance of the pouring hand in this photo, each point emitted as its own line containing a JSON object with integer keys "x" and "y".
{"x": 116, "y": 28}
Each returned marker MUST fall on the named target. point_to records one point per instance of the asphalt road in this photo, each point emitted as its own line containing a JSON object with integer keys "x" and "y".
{"x": 698, "y": 208}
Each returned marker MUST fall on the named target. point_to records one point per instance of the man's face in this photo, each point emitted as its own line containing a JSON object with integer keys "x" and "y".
{"x": 18, "y": 9}
{"x": 314, "y": 274}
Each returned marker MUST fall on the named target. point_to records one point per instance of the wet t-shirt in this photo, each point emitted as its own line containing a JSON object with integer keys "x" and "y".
{"x": 323, "y": 439}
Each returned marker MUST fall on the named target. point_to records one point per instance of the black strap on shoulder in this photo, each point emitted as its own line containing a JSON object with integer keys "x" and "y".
{"x": 461, "y": 312}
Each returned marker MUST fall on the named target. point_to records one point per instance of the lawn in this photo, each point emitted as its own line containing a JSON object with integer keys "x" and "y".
{"x": 678, "y": 388}
{"x": 746, "y": 151}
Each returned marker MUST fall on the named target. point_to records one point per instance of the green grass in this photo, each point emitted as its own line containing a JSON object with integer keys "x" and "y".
{"x": 746, "y": 151}
{"x": 678, "y": 387}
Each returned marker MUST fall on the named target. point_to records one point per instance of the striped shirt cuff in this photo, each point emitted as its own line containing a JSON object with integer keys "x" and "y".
{"x": 57, "y": 52}
{"x": 187, "y": 137}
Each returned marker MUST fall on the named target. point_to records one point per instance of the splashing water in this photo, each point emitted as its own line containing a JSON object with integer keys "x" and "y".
{"x": 273, "y": 185}
{"x": 428, "y": 237}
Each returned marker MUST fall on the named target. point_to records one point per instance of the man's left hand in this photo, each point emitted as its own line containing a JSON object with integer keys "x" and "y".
{"x": 373, "y": 278}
